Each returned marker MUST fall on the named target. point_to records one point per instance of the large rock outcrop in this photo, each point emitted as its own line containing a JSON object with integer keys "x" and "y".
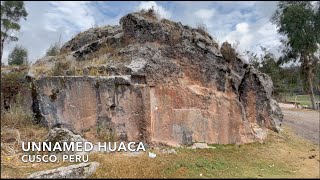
{"x": 155, "y": 81}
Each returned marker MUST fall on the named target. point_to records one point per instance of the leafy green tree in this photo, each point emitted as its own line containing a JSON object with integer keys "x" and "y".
{"x": 11, "y": 13}
{"x": 18, "y": 56}
{"x": 299, "y": 22}
{"x": 268, "y": 64}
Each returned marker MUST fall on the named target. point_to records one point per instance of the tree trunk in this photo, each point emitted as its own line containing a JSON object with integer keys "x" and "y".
{"x": 1, "y": 50}
{"x": 4, "y": 37}
{"x": 311, "y": 93}
{"x": 307, "y": 69}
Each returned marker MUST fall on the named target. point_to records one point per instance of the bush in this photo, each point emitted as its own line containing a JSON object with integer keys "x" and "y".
{"x": 202, "y": 29}
{"x": 151, "y": 13}
{"x": 228, "y": 52}
{"x": 60, "y": 68}
{"x": 15, "y": 116}
{"x": 53, "y": 50}
{"x": 18, "y": 56}
{"x": 12, "y": 84}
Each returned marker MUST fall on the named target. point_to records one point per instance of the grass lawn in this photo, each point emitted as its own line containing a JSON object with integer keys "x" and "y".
{"x": 302, "y": 99}
{"x": 282, "y": 155}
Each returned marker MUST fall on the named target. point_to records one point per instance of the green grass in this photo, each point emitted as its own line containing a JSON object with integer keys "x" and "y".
{"x": 281, "y": 156}
{"x": 302, "y": 99}
{"x": 228, "y": 161}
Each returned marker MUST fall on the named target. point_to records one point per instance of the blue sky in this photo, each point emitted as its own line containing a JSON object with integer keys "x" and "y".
{"x": 245, "y": 22}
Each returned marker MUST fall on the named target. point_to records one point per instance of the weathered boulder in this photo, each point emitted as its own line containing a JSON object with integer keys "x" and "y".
{"x": 200, "y": 146}
{"x": 62, "y": 135}
{"x": 169, "y": 151}
{"x": 157, "y": 81}
{"x": 77, "y": 171}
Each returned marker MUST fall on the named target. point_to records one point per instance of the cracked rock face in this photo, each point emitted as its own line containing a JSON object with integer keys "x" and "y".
{"x": 159, "y": 81}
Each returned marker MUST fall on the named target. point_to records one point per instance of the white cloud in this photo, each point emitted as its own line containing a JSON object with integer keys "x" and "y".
{"x": 77, "y": 16}
{"x": 205, "y": 14}
{"x": 46, "y": 21}
{"x": 242, "y": 27}
{"x": 159, "y": 9}
{"x": 246, "y": 22}
{"x": 252, "y": 38}
{"x": 245, "y": 40}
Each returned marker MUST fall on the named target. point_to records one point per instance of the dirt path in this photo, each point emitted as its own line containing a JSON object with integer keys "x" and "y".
{"x": 305, "y": 123}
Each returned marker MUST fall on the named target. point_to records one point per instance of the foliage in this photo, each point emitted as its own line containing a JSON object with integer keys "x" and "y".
{"x": 11, "y": 13}
{"x": 287, "y": 80}
{"x": 11, "y": 84}
{"x": 253, "y": 59}
{"x": 18, "y": 56}
{"x": 60, "y": 68}
{"x": 299, "y": 22}
{"x": 228, "y": 52}
{"x": 54, "y": 48}
{"x": 269, "y": 64}
{"x": 151, "y": 13}
{"x": 202, "y": 29}
{"x": 15, "y": 79}
{"x": 16, "y": 116}
{"x": 292, "y": 80}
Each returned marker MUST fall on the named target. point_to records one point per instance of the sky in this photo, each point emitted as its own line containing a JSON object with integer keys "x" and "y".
{"x": 244, "y": 23}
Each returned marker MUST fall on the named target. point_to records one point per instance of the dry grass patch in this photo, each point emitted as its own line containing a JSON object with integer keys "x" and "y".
{"x": 13, "y": 167}
{"x": 17, "y": 126}
{"x": 282, "y": 155}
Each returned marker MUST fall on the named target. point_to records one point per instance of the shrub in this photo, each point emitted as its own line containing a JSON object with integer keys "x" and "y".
{"x": 12, "y": 84}
{"x": 202, "y": 29}
{"x": 60, "y": 67}
{"x": 16, "y": 116}
{"x": 18, "y": 56}
{"x": 228, "y": 52}
{"x": 53, "y": 50}
{"x": 151, "y": 13}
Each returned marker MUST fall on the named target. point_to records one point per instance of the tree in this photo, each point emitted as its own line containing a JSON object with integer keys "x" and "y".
{"x": 11, "y": 13}
{"x": 18, "y": 56}
{"x": 299, "y": 22}
{"x": 268, "y": 64}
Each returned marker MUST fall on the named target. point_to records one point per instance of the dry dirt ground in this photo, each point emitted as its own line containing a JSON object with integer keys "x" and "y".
{"x": 305, "y": 123}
